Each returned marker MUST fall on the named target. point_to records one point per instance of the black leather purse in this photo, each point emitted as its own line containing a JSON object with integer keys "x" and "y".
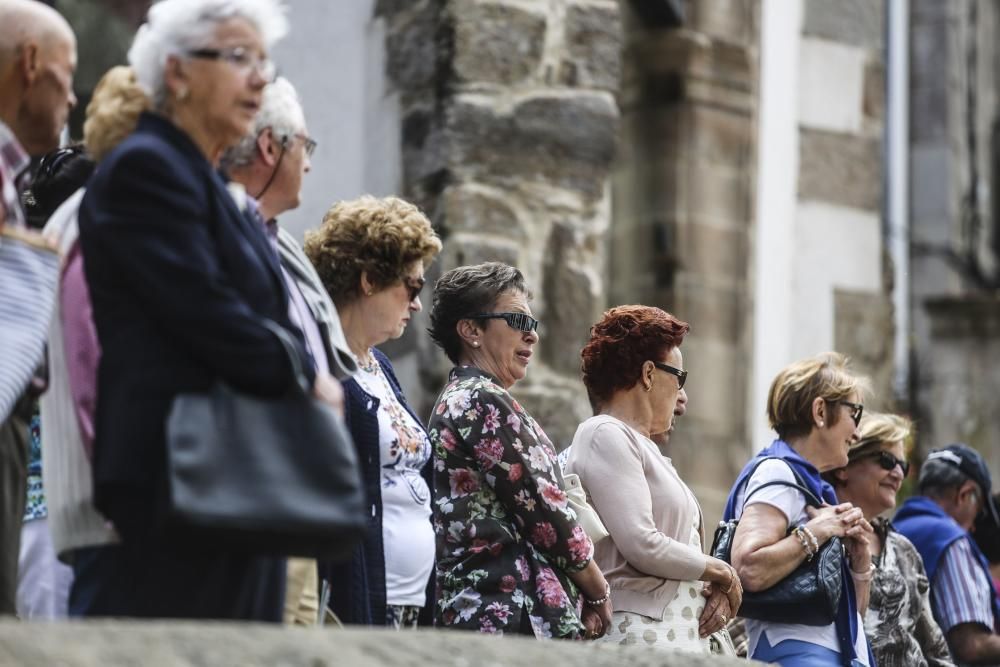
{"x": 810, "y": 595}
{"x": 264, "y": 475}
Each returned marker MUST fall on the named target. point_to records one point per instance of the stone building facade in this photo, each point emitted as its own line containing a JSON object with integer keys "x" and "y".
{"x": 722, "y": 159}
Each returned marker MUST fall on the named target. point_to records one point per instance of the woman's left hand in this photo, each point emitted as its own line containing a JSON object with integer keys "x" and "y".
{"x": 858, "y": 540}
{"x": 716, "y": 614}
{"x": 593, "y": 623}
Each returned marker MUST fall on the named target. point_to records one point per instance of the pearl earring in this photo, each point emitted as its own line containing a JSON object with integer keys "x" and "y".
{"x": 475, "y": 343}
{"x": 821, "y": 424}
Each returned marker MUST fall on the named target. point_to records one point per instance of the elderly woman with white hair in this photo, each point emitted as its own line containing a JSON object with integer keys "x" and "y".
{"x": 184, "y": 289}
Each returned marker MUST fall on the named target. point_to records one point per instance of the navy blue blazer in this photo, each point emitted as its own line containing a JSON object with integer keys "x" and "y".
{"x": 357, "y": 586}
{"x": 180, "y": 282}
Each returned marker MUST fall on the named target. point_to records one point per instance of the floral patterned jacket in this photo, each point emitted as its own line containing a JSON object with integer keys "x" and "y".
{"x": 506, "y": 538}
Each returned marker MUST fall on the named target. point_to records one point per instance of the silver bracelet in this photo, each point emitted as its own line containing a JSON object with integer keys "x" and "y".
{"x": 599, "y": 601}
{"x": 863, "y": 576}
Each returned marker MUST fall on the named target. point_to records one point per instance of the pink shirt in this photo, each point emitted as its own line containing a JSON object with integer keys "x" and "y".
{"x": 83, "y": 351}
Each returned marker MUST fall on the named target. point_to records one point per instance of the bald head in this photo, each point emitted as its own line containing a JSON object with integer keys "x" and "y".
{"x": 37, "y": 61}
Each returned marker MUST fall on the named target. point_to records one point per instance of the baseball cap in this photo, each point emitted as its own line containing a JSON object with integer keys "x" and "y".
{"x": 970, "y": 462}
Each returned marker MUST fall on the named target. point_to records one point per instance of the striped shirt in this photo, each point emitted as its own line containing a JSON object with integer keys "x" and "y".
{"x": 28, "y": 275}
{"x": 960, "y": 592}
{"x": 13, "y": 163}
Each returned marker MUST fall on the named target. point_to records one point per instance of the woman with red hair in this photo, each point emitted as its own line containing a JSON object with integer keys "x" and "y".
{"x": 653, "y": 558}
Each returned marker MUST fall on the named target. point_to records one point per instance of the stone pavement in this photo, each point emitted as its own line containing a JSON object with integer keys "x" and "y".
{"x": 163, "y": 644}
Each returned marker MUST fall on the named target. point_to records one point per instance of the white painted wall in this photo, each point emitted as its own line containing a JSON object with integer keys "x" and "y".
{"x": 334, "y": 56}
{"x": 777, "y": 185}
{"x": 830, "y": 85}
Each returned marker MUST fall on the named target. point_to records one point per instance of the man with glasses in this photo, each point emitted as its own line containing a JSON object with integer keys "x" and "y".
{"x": 37, "y": 62}
{"x": 270, "y": 163}
{"x": 955, "y": 488}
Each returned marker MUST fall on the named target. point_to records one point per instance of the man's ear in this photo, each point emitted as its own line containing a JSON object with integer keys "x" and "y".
{"x": 28, "y": 62}
{"x": 267, "y": 147}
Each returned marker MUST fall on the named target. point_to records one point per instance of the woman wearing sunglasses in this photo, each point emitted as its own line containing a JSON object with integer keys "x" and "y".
{"x": 899, "y": 623}
{"x": 370, "y": 255}
{"x": 814, "y": 406}
{"x": 512, "y": 557}
{"x": 665, "y": 591}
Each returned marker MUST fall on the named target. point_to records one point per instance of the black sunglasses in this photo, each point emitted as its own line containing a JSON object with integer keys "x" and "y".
{"x": 682, "y": 376}
{"x": 516, "y": 321}
{"x": 49, "y": 165}
{"x": 888, "y": 461}
{"x": 857, "y": 409}
{"x": 413, "y": 289}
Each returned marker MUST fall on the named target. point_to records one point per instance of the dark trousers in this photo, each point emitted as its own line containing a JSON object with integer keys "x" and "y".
{"x": 13, "y": 493}
{"x": 159, "y": 580}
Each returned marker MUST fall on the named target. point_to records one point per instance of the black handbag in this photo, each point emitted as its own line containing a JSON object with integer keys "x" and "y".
{"x": 273, "y": 476}
{"x": 810, "y": 594}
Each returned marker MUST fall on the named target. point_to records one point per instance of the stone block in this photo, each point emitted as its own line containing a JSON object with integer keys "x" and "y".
{"x": 863, "y": 330}
{"x": 567, "y": 140}
{"x": 496, "y": 42}
{"x": 722, "y": 195}
{"x": 840, "y": 169}
{"x": 594, "y": 43}
{"x": 831, "y": 83}
{"x": 200, "y": 644}
{"x": 720, "y": 252}
{"x": 725, "y": 20}
{"x": 716, "y": 313}
{"x": 462, "y": 250}
{"x": 559, "y": 405}
{"x": 573, "y": 298}
{"x": 414, "y": 43}
{"x": 476, "y": 208}
{"x": 857, "y": 22}
{"x": 874, "y": 95}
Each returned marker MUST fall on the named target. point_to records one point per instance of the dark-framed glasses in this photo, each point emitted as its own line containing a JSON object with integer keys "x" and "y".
{"x": 413, "y": 287}
{"x": 682, "y": 376}
{"x": 888, "y": 461}
{"x": 242, "y": 58}
{"x": 518, "y": 321}
{"x": 308, "y": 143}
{"x": 857, "y": 409}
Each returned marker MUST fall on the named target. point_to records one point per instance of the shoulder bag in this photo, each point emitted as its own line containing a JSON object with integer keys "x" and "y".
{"x": 586, "y": 515}
{"x": 264, "y": 475}
{"x": 809, "y": 595}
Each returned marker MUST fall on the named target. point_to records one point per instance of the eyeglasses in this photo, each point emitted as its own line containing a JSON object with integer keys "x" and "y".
{"x": 308, "y": 143}
{"x": 413, "y": 289}
{"x": 242, "y": 58}
{"x": 682, "y": 376}
{"x": 857, "y": 409}
{"x": 518, "y": 321}
{"x": 888, "y": 461}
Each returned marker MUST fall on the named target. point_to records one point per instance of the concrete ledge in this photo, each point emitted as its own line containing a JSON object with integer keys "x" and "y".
{"x": 168, "y": 644}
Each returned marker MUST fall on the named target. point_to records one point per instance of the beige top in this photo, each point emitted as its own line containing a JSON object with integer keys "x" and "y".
{"x": 647, "y": 510}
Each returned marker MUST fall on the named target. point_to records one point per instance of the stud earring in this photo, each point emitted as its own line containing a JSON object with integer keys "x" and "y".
{"x": 368, "y": 293}
{"x": 821, "y": 424}
{"x": 182, "y": 94}
{"x": 475, "y": 343}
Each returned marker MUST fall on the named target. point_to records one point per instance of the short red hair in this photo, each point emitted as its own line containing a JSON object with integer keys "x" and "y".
{"x": 624, "y": 339}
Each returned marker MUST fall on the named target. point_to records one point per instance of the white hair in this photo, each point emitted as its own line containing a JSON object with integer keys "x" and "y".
{"x": 173, "y": 27}
{"x": 280, "y": 110}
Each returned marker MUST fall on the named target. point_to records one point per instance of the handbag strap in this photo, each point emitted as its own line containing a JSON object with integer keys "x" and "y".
{"x": 811, "y": 498}
{"x": 290, "y": 350}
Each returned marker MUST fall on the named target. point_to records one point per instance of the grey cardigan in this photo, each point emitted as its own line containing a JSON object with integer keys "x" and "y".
{"x": 295, "y": 262}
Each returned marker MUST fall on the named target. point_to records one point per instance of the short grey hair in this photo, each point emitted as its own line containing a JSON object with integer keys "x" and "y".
{"x": 938, "y": 477}
{"x": 280, "y": 110}
{"x": 173, "y": 27}
{"x": 466, "y": 291}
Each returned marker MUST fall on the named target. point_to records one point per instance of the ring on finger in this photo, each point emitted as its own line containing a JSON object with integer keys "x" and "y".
{"x": 724, "y": 619}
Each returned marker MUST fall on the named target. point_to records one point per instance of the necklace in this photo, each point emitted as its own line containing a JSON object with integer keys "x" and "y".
{"x": 369, "y": 364}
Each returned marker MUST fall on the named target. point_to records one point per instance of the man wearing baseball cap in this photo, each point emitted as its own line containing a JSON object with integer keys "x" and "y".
{"x": 955, "y": 488}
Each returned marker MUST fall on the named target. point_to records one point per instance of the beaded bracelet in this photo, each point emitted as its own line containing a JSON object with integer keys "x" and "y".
{"x": 812, "y": 538}
{"x": 599, "y": 601}
{"x": 804, "y": 541}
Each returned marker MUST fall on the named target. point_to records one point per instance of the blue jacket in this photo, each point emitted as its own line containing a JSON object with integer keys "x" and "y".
{"x": 357, "y": 587}
{"x": 932, "y": 531}
{"x": 847, "y": 619}
{"x": 180, "y": 282}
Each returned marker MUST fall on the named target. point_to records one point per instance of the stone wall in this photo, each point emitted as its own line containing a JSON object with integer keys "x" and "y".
{"x": 683, "y": 217}
{"x": 955, "y": 62}
{"x": 509, "y": 132}
{"x": 164, "y": 644}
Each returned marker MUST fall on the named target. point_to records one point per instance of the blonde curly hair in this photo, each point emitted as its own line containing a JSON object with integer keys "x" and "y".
{"x": 879, "y": 428}
{"x": 113, "y": 111}
{"x": 379, "y": 237}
